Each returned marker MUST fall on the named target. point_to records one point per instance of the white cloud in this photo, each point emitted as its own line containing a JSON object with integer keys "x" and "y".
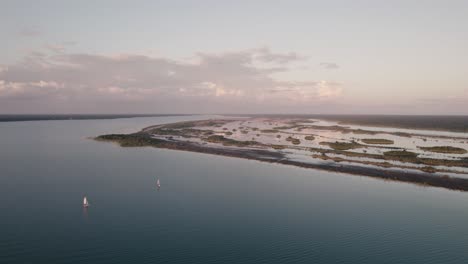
{"x": 28, "y": 89}
{"x": 329, "y": 90}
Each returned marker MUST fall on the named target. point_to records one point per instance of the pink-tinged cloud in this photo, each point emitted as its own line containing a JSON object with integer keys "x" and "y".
{"x": 28, "y": 89}
{"x": 140, "y": 83}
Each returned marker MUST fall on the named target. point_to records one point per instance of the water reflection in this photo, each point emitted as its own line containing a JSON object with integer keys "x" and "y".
{"x": 306, "y": 216}
{"x": 85, "y": 214}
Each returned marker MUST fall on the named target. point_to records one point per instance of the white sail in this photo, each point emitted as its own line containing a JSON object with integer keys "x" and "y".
{"x": 158, "y": 183}
{"x": 85, "y": 201}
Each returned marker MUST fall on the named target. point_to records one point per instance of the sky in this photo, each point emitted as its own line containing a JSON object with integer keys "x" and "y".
{"x": 307, "y": 57}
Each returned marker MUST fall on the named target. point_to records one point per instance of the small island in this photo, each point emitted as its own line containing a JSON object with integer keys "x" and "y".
{"x": 445, "y": 149}
{"x": 309, "y": 144}
{"x": 380, "y": 141}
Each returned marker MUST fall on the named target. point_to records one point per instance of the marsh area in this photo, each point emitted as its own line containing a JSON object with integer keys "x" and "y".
{"x": 317, "y": 143}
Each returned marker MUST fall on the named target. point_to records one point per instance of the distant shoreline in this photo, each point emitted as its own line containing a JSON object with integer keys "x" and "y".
{"x": 40, "y": 117}
{"x": 447, "y": 123}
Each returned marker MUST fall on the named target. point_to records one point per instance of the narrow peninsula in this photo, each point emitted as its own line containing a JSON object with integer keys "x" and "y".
{"x": 414, "y": 157}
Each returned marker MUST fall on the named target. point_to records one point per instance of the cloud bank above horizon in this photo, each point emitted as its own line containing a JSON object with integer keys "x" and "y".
{"x": 333, "y": 57}
{"x": 54, "y": 78}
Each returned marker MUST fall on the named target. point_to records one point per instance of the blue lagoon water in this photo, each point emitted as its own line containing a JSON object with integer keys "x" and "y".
{"x": 210, "y": 209}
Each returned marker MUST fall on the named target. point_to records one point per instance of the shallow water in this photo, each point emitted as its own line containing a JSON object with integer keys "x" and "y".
{"x": 210, "y": 209}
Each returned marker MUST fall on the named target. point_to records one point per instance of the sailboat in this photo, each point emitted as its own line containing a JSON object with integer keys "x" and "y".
{"x": 158, "y": 184}
{"x": 85, "y": 202}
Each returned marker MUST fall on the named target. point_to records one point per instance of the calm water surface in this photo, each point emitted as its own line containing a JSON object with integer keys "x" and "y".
{"x": 210, "y": 209}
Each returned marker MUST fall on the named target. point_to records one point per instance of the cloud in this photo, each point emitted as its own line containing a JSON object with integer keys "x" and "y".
{"x": 329, "y": 65}
{"x": 28, "y": 89}
{"x": 211, "y": 81}
{"x": 265, "y": 55}
{"x": 60, "y": 47}
{"x": 328, "y": 90}
{"x": 55, "y": 48}
{"x": 303, "y": 92}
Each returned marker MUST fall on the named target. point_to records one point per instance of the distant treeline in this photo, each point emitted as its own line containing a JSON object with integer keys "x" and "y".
{"x": 441, "y": 123}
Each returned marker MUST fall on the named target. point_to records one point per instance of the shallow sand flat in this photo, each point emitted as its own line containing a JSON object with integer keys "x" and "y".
{"x": 330, "y": 146}
{"x": 251, "y": 129}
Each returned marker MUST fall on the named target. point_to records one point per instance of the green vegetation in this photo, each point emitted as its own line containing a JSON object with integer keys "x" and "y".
{"x": 294, "y": 124}
{"x": 132, "y": 140}
{"x": 444, "y": 162}
{"x": 342, "y": 145}
{"x": 444, "y": 149}
{"x": 269, "y": 131}
{"x": 401, "y": 134}
{"x": 362, "y": 132}
{"x": 429, "y": 169}
{"x": 377, "y": 141}
{"x": 284, "y": 127}
{"x": 208, "y": 132}
{"x": 230, "y": 142}
{"x": 431, "y": 162}
{"x": 324, "y": 156}
{"x": 401, "y": 155}
{"x": 185, "y": 132}
{"x": 168, "y": 136}
{"x": 346, "y": 130}
{"x": 211, "y": 122}
{"x": 279, "y": 147}
{"x": 180, "y": 125}
{"x": 295, "y": 141}
{"x": 343, "y": 129}
{"x": 303, "y": 121}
